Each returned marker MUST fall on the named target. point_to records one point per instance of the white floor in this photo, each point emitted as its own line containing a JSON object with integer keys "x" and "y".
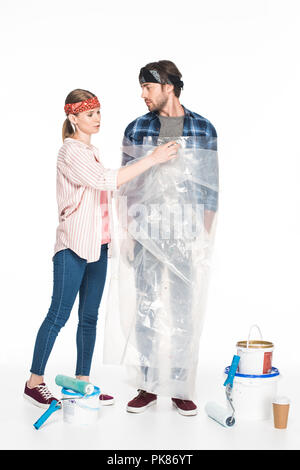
{"x": 160, "y": 427}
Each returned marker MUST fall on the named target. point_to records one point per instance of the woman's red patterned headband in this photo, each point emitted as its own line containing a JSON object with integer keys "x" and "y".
{"x": 75, "y": 108}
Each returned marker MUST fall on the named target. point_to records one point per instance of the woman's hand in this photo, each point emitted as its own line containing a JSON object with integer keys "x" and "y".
{"x": 161, "y": 154}
{"x": 164, "y": 152}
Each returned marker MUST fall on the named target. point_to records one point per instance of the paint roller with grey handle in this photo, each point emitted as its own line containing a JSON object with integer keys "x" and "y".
{"x": 85, "y": 388}
{"x": 217, "y": 412}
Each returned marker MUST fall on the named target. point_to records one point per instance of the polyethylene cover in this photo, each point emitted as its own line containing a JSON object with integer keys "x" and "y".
{"x": 164, "y": 232}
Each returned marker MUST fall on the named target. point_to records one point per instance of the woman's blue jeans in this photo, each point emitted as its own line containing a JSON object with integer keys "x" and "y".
{"x": 72, "y": 274}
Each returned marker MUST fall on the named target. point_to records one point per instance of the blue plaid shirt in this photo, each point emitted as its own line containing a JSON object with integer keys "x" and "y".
{"x": 195, "y": 125}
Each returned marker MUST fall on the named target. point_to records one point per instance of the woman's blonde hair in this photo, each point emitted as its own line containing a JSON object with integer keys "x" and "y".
{"x": 74, "y": 97}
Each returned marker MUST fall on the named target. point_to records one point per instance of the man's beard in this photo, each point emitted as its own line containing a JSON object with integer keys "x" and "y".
{"x": 159, "y": 105}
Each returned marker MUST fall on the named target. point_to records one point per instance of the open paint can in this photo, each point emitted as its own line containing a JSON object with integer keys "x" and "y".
{"x": 255, "y": 355}
{"x": 79, "y": 408}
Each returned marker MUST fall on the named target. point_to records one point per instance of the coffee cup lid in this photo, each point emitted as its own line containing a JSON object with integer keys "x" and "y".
{"x": 281, "y": 400}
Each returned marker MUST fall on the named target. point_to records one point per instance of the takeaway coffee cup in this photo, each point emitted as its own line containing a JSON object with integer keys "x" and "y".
{"x": 281, "y": 407}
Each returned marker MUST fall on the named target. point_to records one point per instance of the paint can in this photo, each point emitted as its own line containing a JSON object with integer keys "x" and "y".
{"x": 255, "y": 355}
{"x": 252, "y": 395}
{"x": 80, "y": 409}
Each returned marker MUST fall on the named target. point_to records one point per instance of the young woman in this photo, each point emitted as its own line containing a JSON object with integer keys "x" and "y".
{"x": 80, "y": 255}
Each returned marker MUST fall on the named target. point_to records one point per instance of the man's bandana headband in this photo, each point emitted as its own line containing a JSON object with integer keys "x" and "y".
{"x": 75, "y": 108}
{"x": 152, "y": 76}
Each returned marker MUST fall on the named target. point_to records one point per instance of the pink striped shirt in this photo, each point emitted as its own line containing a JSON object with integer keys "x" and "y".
{"x": 83, "y": 190}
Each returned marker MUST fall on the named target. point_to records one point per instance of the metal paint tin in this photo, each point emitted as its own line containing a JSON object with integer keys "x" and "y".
{"x": 255, "y": 355}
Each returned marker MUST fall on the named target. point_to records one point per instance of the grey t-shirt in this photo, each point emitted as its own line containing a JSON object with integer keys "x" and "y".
{"x": 171, "y": 126}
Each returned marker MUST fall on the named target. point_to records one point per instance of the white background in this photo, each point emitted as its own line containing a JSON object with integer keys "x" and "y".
{"x": 240, "y": 65}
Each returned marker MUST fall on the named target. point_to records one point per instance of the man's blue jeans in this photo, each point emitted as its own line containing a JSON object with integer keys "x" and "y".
{"x": 72, "y": 274}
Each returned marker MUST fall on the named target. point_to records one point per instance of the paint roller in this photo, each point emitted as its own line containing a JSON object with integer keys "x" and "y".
{"x": 85, "y": 388}
{"x": 76, "y": 385}
{"x": 217, "y": 412}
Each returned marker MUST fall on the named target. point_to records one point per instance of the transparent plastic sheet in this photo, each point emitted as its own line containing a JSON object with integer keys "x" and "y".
{"x": 164, "y": 233}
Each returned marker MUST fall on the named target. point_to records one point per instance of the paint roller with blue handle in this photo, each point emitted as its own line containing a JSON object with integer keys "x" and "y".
{"x": 218, "y": 412}
{"x": 80, "y": 386}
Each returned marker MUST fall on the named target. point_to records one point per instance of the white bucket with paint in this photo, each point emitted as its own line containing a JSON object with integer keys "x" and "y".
{"x": 78, "y": 408}
{"x": 255, "y": 355}
{"x": 252, "y": 395}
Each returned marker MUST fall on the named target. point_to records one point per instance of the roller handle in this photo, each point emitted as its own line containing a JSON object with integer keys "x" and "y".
{"x": 53, "y": 407}
{"x": 232, "y": 371}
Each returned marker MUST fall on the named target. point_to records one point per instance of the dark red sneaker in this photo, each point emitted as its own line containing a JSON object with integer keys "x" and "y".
{"x": 39, "y": 395}
{"x": 141, "y": 402}
{"x": 185, "y": 407}
{"x": 106, "y": 399}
